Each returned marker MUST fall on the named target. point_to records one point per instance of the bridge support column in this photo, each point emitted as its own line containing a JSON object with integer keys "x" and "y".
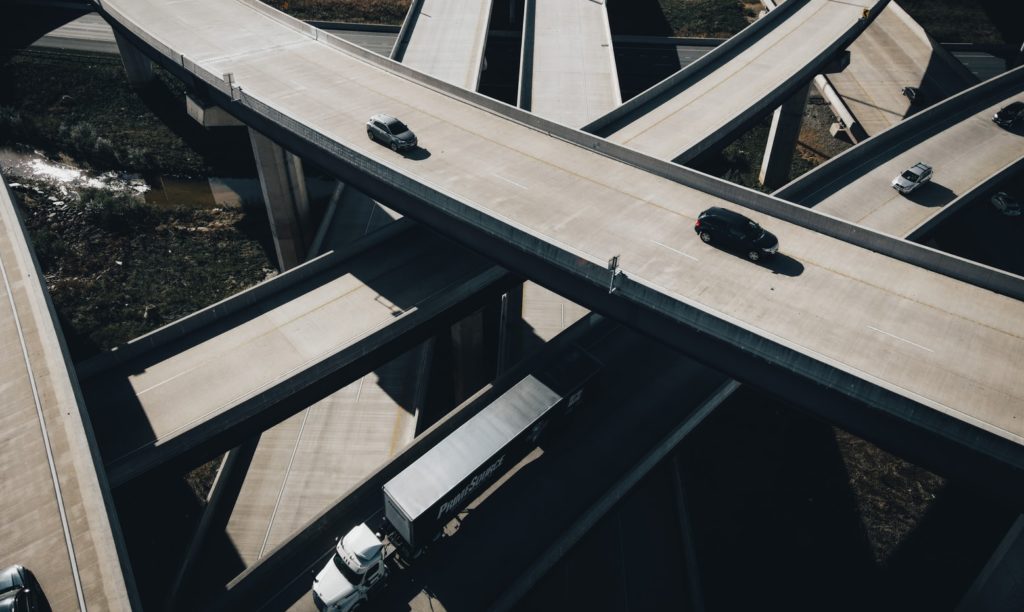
{"x": 284, "y": 193}
{"x": 209, "y": 115}
{"x": 1000, "y": 585}
{"x": 219, "y": 505}
{"x": 778, "y": 153}
{"x": 138, "y": 67}
{"x": 686, "y": 531}
{"x": 510, "y": 329}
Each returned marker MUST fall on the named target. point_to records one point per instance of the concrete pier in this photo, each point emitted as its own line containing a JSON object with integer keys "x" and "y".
{"x": 284, "y": 193}
{"x": 137, "y": 65}
{"x": 778, "y": 153}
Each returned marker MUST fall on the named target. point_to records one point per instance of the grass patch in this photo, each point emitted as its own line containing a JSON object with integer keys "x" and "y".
{"x": 390, "y": 12}
{"x": 80, "y": 106}
{"x": 118, "y": 268}
{"x": 707, "y": 18}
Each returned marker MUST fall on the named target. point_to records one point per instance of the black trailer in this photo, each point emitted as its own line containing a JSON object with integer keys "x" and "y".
{"x": 421, "y": 499}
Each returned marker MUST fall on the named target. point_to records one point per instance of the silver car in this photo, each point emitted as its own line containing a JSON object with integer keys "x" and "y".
{"x": 390, "y": 131}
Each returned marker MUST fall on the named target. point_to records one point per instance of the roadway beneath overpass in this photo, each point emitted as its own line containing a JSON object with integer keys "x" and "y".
{"x": 551, "y": 492}
{"x": 956, "y": 137}
{"x": 828, "y": 322}
{"x": 59, "y": 519}
{"x": 198, "y": 387}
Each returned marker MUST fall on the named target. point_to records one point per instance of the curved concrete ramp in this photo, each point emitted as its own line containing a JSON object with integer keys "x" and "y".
{"x": 59, "y": 518}
{"x": 710, "y": 101}
{"x": 956, "y": 137}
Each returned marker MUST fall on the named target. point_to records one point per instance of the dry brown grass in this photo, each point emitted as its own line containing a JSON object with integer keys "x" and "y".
{"x": 390, "y": 12}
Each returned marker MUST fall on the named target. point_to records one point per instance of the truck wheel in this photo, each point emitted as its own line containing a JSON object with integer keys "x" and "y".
{"x": 753, "y": 256}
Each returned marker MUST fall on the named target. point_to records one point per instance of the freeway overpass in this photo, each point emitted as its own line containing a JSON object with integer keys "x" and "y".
{"x": 830, "y": 323}
{"x": 189, "y": 391}
{"x": 956, "y": 137}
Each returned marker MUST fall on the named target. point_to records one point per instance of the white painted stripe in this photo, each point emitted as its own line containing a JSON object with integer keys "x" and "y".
{"x": 674, "y": 250}
{"x": 881, "y": 331}
{"x": 510, "y": 181}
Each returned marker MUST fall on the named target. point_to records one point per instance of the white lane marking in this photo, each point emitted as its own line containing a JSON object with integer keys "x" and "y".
{"x": 882, "y": 331}
{"x": 519, "y": 185}
{"x": 674, "y": 250}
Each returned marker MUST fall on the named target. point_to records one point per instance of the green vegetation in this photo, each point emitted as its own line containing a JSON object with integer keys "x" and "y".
{"x": 118, "y": 268}
{"x": 80, "y": 106}
{"x": 390, "y": 12}
{"x": 707, "y": 18}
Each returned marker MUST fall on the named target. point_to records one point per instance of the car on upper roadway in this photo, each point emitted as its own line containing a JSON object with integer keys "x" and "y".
{"x": 18, "y": 590}
{"x": 1007, "y": 204}
{"x": 734, "y": 231}
{"x": 1010, "y": 115}
{"x": 390, "y": 131}
{"x": 912, "y": 178}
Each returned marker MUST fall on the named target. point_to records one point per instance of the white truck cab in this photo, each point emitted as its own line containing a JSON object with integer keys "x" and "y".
{"x": 354, "y": 570}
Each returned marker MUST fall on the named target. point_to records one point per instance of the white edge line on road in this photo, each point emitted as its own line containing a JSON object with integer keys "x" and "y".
{"x": 881, "y": 331}
{"x": 674, "y": 250}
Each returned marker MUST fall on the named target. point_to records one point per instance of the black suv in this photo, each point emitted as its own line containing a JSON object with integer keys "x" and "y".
{"x": 1010, "y": 115}
{"x": 733, "y": 230}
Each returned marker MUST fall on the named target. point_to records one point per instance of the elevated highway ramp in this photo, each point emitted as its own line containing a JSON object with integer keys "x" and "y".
{"x": 956, "y": 137}
{"x": 196, "y": 388}
{"x": 712, "y": 100}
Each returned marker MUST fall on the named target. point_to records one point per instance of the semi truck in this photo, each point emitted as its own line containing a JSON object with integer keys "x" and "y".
{"x": 421, "y": 499}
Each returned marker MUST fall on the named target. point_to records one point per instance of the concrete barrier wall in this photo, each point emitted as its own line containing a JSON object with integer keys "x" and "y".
{"x": 698, "y": 69}
{"x": 406, "y": 30}
{"x": 524, "y": 98}
{"x": 231, "y": 305}
{"x": 917, "y": 128}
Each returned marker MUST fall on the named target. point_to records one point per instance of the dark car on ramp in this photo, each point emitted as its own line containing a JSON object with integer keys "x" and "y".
{"x": 19, "y": 591}
{"x": 732, "y": 230}
{"x": 1010, "y": 115}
